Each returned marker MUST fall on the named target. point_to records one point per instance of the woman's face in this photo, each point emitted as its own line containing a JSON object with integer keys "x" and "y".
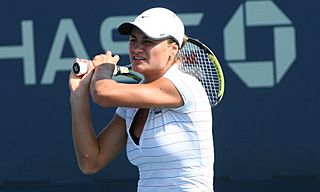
{"x": 150, "y": 57}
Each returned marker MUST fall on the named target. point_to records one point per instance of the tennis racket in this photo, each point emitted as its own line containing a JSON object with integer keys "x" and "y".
{"x": 199, "y": 61}
{"x": 196, "y": 59}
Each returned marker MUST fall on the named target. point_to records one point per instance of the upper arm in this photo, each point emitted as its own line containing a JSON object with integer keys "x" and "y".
{"x": 112, "y": 140}
{"x": 159, "y": 93}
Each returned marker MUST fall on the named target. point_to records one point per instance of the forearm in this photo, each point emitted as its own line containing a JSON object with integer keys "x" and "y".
{"x": 84, "y": 138}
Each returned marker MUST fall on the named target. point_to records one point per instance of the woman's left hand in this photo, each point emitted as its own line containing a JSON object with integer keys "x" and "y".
{"x": 105, "y": 58}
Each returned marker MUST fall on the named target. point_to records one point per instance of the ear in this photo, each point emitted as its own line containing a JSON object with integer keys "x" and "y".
{"x": 174, "y": 49}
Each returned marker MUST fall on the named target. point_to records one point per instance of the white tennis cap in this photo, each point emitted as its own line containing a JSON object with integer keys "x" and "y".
{"x": 157, "y": 23}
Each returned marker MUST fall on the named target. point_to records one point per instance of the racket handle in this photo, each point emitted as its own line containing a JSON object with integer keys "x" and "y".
{"x": 80, "y": 68}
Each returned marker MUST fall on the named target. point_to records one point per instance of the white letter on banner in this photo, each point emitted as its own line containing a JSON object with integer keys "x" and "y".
{"x": 24, "y": 51}
{"x": 55, "y": 63}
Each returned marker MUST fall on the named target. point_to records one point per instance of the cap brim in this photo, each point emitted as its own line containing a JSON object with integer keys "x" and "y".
{"x": 125, "y": 28}
{"x": 152, "y": 33}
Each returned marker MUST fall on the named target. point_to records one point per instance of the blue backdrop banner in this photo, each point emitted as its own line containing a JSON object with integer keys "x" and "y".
{"x": 266, "y": 126}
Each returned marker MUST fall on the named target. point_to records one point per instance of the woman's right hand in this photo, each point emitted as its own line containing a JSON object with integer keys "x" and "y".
{"x": 81, "y": 83}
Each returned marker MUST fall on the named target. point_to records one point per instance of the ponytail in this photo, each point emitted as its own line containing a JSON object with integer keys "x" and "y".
{"x": 184, "y": 41}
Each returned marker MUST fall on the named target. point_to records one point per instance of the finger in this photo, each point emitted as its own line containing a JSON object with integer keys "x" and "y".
{"x": 73, "y": 76}
{"x": 116, "y": 58}
{"x": 108, "y": 53}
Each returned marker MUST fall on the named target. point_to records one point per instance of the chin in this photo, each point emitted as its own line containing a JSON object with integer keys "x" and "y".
{"x": 137, "y": 66}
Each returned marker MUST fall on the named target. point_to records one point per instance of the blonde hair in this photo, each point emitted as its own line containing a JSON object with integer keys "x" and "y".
{"x": 178, "y": 58}
{"x": 184, "y": 41}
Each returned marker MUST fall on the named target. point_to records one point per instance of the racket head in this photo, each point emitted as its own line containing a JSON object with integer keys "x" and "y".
{"x": 198, "y": 60}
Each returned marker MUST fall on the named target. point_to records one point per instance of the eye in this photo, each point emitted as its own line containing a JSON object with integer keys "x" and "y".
{"x": 148, "y": 41}
{"x": 132, "y": 40}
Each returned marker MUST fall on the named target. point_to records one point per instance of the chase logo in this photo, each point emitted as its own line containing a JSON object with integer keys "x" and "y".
{"x": 264, "y": 73}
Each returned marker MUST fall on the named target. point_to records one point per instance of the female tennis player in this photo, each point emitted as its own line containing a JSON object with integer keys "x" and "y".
{"x": 164, "y": 122}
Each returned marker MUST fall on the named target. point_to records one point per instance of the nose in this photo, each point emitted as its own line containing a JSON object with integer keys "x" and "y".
{"x": 135, "y": 49}
{"x": 137, "y": 46}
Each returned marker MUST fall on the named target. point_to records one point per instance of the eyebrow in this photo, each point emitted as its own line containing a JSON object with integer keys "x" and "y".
{"x": 144, "y": 37}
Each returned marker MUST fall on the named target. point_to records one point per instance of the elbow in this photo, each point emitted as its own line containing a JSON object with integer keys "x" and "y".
{"x": 88, "y": 164}
{"x": 99, "y": 99}
{"x": 88, "y": 169}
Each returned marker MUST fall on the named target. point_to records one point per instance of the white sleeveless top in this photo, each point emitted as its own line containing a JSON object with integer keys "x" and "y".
{"x": 175, "y": 151}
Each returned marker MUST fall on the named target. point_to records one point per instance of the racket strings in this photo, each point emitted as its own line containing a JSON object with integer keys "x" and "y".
{"x": 196, "y": 62}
